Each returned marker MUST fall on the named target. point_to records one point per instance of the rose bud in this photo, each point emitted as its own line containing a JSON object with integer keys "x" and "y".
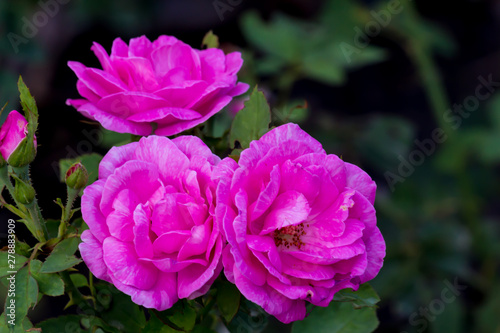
{"x": 77, "y": 176}
{"x": 24, "y": 193}
{"x": 15, "y": 147}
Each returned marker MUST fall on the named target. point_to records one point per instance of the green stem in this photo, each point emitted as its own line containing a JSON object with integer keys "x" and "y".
{"x": 76, "y": 295}
{"x": 72, "y": 194}
{"x": 37, "y": 219}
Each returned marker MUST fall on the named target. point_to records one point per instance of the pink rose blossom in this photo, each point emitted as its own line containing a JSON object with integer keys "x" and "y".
{"x": 165, "y": 82}
{"x": 300, "y": 223}
{"x": 151, "y": 221}
{"x": 12, "y": 132}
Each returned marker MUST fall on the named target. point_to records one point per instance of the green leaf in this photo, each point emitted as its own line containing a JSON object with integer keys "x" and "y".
{"x": 22, "y": 248}
{"x": 228, "y": 300}
{"x": 123, "y": 314}
{"x": 29, "y": 106}
{"x": 93, "y": 323}
{"x": 202, "y": 329}
{"x": 452, "y": 319}
{"x": 210, "y": 41}
{"x": 113, "y": 139}
{"x": 89, "y": 161}
{"x": 79, "y": 280}
{"x": 182, "y": 315}
{"x": 338, "y": 317}
{"x": 69, "y": 323}
{"x": 62, "y": 256}
{"x": 48, "y": 283}
{"x": 365, "y": 296}
{"x": 155, "y": 325}
{"x": 10, "y": 262}
{"x": 487, "y": 316}
{"x": 252, "y": 122}
{"x": 52, "y": 227}
{"x": 24, "y": 296}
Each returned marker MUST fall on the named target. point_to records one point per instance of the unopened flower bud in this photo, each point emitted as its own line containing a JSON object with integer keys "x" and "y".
{"x": 24, "y": 193}
{"x": 77, "y": 176}
{"x": 16, "y": 147}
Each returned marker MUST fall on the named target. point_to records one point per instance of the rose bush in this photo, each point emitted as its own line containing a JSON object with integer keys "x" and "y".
{"x": 165, "y": 82}
{"x": 300, "y": 224}
{"x": 150, "y": 216}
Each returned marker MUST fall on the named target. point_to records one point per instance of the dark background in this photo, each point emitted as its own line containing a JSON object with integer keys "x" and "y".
{"x": 441, "y": 224}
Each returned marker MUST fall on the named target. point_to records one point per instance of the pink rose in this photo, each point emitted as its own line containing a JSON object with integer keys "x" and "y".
{"x": 300, "y": 223}
{"x": 165, "y": 82}
{"x": 13, "y": 131}
{"x": 150, "y": 216}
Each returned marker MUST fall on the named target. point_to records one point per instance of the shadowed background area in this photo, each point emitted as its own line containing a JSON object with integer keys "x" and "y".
{"x": 407, "y": 90}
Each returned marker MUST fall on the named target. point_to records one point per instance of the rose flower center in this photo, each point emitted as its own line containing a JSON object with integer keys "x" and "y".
{"x": 289, "y": 236}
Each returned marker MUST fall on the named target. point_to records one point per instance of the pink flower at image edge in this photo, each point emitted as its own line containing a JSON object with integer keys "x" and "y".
{"x": 300, "y": 224}
{"x": 12, "y": 132}
{"x": 165, "y": 82}
{"x": 151, "y": 221}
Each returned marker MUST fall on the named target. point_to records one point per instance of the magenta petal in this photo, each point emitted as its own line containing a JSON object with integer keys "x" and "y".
{"x": 363, "y": 210}
{"x": 91, "y": 252}
{"x": 306, "y": 270}
{"x": 319, "y": 235}
{"x": 120, "y": 221}
{"x": 165, "y": 154}
{"x": 115, "y": 158}
{"x": 265, "y": 199}
{"x": 197, "y": 243}
{"x": 119, "y": 48}
{"x": 291, "y": 132}
{"x": 137, "y": 176}
{"x": 171, "y": 242}
{"x": 168, "y": 214}
{"x": 375, "y": 249}
{"x": 172, "y": 265}
{"x": 283, "y": 308}
{"x": 183, "y": 96}
{"x": 112, "y": 122}
{"x": 193, "y": 146}
{"x": 103, "y": 57}
{"x": 122, "y": 261}
{"x": 142, "y": 227}
{"x": 331, "y": 220}
{"x": 161, "y": 296}
{"x": 91, "y": 213}
{"x": 100, "y": 82}
{"x": 165, "y": 115}
{"x": 129, "y": 103}
{"x": 295, "y": 177}
{"x": 194, "y": 277}
{"x": 140, "y": 47}
{"x": 360, "y": 181}
{"x": 233, "y": 63}
{"x": 228, "y": 262}
{"x": 289, "y": 208}
{"x": 265, "y": 244}
{"x": 332, "y": 163}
